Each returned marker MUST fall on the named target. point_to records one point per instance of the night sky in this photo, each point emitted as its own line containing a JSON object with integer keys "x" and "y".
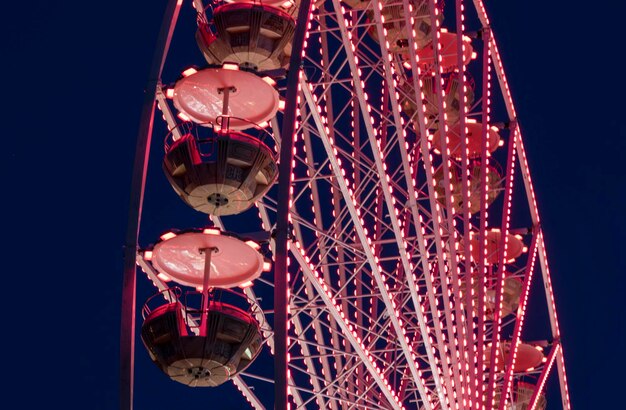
{"x": 73, "y": 77}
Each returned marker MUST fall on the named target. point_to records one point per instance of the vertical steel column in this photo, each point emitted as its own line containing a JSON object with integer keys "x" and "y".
{"x": 482, "y": 268}
{"x": 281, "y": 301}
{"x": 501, "y": 271}
{"x": 140, "y": 167}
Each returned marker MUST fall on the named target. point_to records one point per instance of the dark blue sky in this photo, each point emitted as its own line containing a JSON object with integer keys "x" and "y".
{"x": 73, "y": 75}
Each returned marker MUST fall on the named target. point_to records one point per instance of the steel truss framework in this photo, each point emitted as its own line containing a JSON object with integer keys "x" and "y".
{"x": 386, "y": 300}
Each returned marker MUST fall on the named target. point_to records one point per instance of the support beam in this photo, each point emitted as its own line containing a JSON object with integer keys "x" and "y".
{"x": 519, "y": 322}
{"x": 346, "y": 328}
{"x": 281, "y": 300}
{"x": 479, "y": 384}
{"x": 379, "y": 276}
{"x": 140, "y": 168}
{"x": 544, "y": 376}
{"x": 502, "y": 260}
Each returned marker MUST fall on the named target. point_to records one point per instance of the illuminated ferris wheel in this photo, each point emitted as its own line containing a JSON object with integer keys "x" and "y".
{"x": 373, "y": 153}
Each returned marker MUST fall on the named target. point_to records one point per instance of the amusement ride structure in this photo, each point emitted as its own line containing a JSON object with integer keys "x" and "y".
{"x": 372, "y": 150}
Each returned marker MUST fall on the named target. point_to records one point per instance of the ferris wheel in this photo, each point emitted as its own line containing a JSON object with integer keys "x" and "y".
{"x": 372, "y": 150}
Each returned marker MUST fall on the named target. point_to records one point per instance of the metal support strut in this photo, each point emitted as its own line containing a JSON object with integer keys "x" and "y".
{"x": 140, "y": 168}
{"x": 205, "y": 288}
{"x": 281, "y": 301}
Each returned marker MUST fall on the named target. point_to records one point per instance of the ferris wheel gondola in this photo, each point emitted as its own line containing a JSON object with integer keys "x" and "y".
{"x": 205, "y": 345}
